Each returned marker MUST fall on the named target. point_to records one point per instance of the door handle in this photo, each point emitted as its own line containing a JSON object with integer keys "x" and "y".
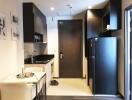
{"x": 61, "y": 55}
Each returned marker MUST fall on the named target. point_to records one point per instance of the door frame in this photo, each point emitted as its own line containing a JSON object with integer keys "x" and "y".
{"x": 127, "y": 80}
{"x": 81, "y": 46}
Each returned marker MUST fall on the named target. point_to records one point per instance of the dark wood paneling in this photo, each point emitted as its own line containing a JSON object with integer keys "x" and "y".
{"x": 112, "y": 15}
{"x": 94, "y": 23}
{"x": 40, "y": 25}
{"x": 70, "y": 45}
{"x": 96, "y": 20}
{"x": 28, "y": 22}
{"x": 115, "y": 14}
{"x": 34, "y": 22}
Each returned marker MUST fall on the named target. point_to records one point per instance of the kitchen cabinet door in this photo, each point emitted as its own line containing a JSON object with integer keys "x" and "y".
{"x": 47, "y": 68}
{"x": 34, "y": 24}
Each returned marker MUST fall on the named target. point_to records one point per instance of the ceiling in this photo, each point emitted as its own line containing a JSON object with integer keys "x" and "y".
{"x": 61, "y": 8}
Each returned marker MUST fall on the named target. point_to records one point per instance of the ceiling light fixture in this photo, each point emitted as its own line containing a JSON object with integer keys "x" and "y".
{"x": 70, "y": 7}
{"x": 89, "y": 7}
{"x": 52, "y": 8}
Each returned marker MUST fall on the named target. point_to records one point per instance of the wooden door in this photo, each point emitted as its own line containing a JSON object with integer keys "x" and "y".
{"x": 70, "y": 48}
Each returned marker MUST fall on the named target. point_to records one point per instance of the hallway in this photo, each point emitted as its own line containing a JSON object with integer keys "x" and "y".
{"x": 74, "y": 89}
{"x": 70, "y": 87}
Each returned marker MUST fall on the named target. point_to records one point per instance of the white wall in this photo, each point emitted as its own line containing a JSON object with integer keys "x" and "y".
{"x": 20, "y": 43}
{"x": 11, "y": 52}
{"x": 120, "y": 35}
{"x": 52, "y": 32}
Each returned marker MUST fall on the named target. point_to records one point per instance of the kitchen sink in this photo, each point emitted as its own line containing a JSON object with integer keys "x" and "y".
{"x": 40, "y": 59}
{"x": 25, "y": 75}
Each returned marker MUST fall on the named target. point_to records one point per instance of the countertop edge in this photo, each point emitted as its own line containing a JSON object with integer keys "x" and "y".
{"x": 22, "y": 81}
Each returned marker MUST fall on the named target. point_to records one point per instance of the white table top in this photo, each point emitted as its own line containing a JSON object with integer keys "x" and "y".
{"x": 12, "y": 79}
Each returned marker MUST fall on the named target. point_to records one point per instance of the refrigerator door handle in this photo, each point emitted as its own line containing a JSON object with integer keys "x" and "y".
{"x": 93, "y": 57}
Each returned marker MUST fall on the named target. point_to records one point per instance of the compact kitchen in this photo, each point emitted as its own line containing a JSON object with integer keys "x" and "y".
{"x": 65, "y": 50}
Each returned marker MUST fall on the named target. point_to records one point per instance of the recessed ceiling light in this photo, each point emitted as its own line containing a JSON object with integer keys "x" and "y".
{"x": 89, "y": 7}
{"x": 52, "y": 8}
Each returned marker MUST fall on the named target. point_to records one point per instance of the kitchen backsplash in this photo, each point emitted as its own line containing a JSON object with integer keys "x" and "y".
{"x": 34, "y": 49}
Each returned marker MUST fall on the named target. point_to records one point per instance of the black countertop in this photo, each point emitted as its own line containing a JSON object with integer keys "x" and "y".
{"x": 39, "y": 59}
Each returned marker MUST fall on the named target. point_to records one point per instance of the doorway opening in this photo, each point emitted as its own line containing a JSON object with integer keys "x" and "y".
{"x": 71, "y": 81}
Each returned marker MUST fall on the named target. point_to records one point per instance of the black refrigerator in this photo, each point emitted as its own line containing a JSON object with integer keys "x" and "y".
{"x": 102, "y": 65}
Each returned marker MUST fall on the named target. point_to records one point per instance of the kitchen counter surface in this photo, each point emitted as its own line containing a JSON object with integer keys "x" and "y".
{"x": 38, "y": 64}
{"x": 39, "y": 59}
{"x": 13, "y": 88}
{"x": 12, "y": 79}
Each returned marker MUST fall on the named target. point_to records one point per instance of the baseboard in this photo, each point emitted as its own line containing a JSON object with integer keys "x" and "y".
{"x": 121, "y": 95}
{"x": 106, "y": 95}
{"x": 84, "y": 77}
{"x": 118, "y": 95}
{"x": 59, "y": 77}
{"x": 56, "y": 77}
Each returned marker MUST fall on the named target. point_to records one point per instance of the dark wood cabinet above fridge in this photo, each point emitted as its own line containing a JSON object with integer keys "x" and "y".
{"x": 93, "y": 23}
{"x": 102, "y": 22}
{"x": 112, "y": 16}
{"x": 107, "y": 19}
{"x": 34, "y": 24}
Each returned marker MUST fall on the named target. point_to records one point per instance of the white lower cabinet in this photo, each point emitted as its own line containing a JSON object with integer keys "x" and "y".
{"x": 47, "y": 68}
{"x": 41, "y": 90}
{"x": 33, "y": 88}
{"x": 40, "y": 84}
{"x": 18, "y": 91}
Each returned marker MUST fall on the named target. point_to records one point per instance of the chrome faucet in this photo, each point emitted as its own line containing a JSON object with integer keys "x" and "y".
{"x": 32, "y": 59}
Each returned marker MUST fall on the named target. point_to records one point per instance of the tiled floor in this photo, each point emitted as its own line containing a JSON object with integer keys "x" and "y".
{"x": 73, "y": 89}
{"x": 69, "y": 87}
